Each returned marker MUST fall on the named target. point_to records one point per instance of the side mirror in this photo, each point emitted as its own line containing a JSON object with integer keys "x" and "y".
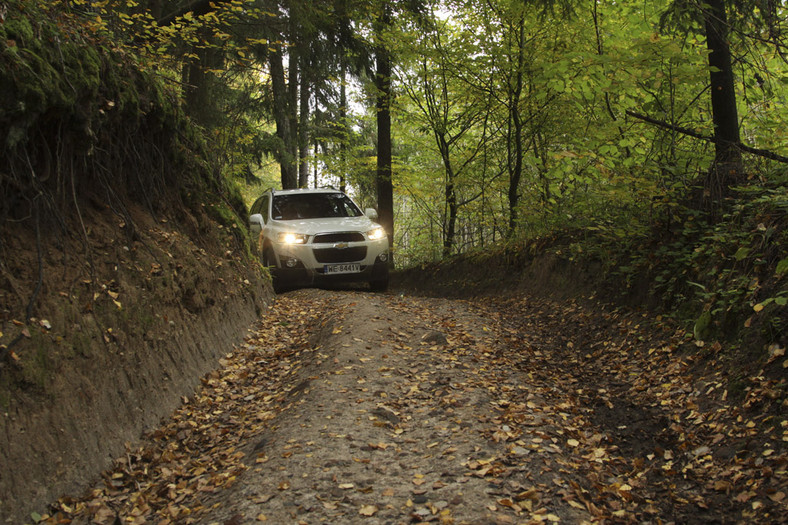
{"x": 371, "y": 213}
{"x": 256, "y": 220}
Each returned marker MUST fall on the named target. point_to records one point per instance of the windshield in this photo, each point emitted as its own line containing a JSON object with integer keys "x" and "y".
{"x": 313, "y": 206}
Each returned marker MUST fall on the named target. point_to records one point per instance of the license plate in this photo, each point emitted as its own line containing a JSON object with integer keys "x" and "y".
{"x": 341, "y": 268}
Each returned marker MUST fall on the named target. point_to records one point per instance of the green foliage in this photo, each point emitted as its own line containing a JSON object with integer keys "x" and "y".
{"x": 82, "y": 117}
{"x": 39, "y": 78}
{"x": 70, "y": 93}
{"x": 504, "y": 103}
{"x": 723, "y": 278}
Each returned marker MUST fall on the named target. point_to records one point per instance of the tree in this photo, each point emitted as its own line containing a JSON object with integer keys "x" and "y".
{"x": 287, "y": 152}
{"x": 456, "y": 118}
{"x": 712, "y": 18}
{"x": 727, "y": 169}
{"x": 383, "y": 177}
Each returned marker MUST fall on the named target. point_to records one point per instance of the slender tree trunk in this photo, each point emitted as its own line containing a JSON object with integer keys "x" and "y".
{"x": 344, "y": 127}
{"x": 293, "y": 79}
{"x": 516, "y": 169}
{"x": 303, "y": 135}
{"x": 451, "y": 204}
{"x": 315, "y": 166}
{"x": 287, "y": 162}
{"x": 727, "y": 169}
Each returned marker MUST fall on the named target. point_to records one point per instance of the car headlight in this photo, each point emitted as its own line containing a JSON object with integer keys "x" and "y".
{"x": 377, "y": 233}
{"x": 292, "y": 238}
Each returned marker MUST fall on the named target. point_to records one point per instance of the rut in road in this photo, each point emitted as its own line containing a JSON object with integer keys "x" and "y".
{"x": 351, "y": 407}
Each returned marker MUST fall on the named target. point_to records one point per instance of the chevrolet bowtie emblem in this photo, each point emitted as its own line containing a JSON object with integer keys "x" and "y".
{"x": 341, "y": 245}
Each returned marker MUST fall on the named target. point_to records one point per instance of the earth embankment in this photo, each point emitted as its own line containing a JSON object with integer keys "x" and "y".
{"x": 124, "y": 320}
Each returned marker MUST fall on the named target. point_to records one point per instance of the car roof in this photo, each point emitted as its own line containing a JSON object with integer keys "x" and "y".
{"x": 305, "y": 190}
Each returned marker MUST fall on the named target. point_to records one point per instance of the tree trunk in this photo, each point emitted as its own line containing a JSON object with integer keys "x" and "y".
{"x": 516, "y": 164}
{"x": 201, "y": 86}
{"x": 293, "y": 74}
{"x": 303, "y": 135}
{"x": 451, "y": 203}
{"x": 287, "y": 162}
{"x": 343, "y": 127}
{"x": 383, "y": 180}
{"x": 727, "y": 169}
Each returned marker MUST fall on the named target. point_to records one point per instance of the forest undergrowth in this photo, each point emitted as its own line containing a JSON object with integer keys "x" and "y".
{"x": 718, "y": 277}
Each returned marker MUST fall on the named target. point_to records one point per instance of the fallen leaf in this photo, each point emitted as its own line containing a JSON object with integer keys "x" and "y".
{"x": 722, "y": 486}
{"x": 368, "y": 510}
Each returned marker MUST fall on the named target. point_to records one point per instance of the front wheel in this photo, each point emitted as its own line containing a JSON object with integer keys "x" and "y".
{"x": 269, "y": 261}
{"x": 379, "y": 285}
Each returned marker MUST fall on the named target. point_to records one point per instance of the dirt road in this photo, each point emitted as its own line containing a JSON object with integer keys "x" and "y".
{"x": 350, "y": 407}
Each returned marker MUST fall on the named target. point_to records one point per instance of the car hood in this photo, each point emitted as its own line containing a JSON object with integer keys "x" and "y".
{"x": 334, "y": 224}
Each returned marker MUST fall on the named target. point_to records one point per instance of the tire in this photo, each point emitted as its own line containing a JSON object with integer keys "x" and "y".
{"x": 380, "y": 285}
{"x": 269, "y": 261}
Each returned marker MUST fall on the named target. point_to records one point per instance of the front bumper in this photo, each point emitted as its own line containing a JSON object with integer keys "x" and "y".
{"x": 299, "y": 266}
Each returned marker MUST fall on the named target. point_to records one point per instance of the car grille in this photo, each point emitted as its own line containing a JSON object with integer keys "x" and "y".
{"x": 337, "y": 255}
{"x": 338, "y": 237}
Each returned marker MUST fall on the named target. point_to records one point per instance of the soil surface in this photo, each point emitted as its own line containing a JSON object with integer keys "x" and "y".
{"x": 102, "y": 331}
{"x": 349, "y": 407}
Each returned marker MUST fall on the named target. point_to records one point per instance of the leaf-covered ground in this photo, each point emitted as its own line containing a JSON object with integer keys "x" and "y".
{"x": 349, "y": 407}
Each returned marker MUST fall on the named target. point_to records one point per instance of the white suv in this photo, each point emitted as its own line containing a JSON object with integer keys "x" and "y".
{"x": 319, "y": 236}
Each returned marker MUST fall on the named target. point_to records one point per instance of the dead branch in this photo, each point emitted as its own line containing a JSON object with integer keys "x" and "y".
{"x": 692, "y": 133}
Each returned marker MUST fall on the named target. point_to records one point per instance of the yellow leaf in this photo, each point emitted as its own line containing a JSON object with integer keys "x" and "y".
{"x": 573, "y": 442}
{"x": 758, "y": 307}
{"x": 368, "y": 510}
